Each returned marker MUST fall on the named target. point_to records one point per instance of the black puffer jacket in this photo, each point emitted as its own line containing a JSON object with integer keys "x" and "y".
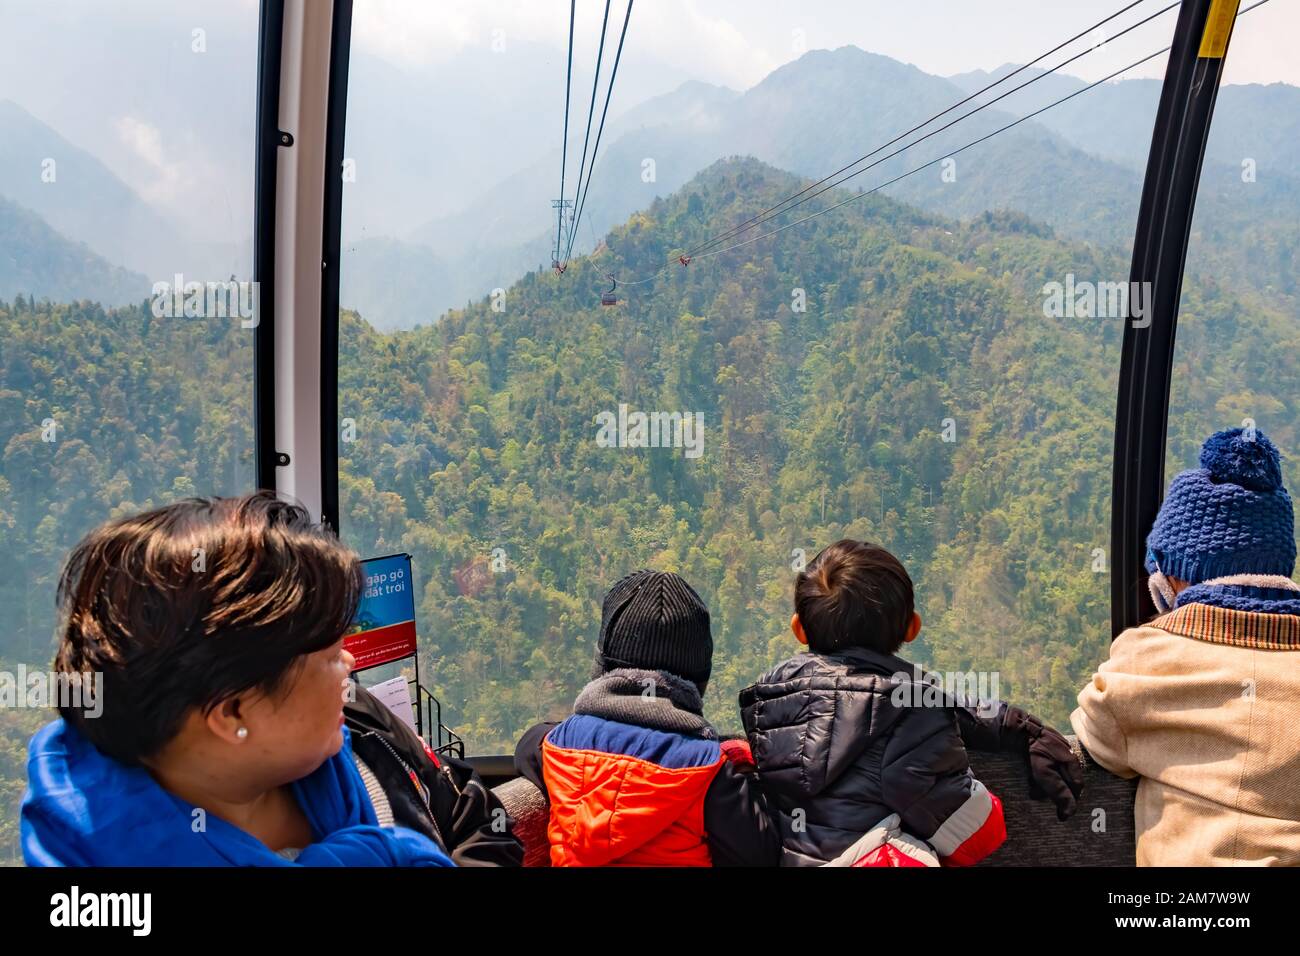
{"x": 439, "y": 796}
{"x": 840, "y": 745}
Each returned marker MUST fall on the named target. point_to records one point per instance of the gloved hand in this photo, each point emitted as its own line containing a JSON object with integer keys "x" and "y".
{"x": 738, "y": 754}
{"x": 1054, "y": 771}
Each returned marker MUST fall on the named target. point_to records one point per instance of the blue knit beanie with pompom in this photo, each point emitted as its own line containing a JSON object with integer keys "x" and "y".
{"x": 1230, "y": 516}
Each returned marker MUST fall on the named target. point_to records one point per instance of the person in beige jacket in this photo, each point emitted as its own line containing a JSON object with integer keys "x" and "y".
{"x": 1203, "y": 702}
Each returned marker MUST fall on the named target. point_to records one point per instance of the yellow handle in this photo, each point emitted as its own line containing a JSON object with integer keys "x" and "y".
{"x": 1218, "y": 27}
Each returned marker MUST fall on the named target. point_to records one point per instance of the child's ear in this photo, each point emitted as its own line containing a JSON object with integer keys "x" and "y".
{"x": 913, "y": 629}
{"x": 796, "y": 625}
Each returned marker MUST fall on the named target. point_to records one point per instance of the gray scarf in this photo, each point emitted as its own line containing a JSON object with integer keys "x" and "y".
{"x": 654, "y": 699}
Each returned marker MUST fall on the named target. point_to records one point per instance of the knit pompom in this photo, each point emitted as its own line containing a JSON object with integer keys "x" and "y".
{"x": 1232, "y": 456}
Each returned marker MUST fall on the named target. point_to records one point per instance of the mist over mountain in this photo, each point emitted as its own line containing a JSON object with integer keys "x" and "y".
{"x": 80, "y": 197}
{"x": 1114, "y": 120}
{"x": 392, "y": 277}
{"x": 489, "y": 115}
{"x": 36, "y": 261}
{"x": 1076, "y": 167}
{"x": 823, "y": 111}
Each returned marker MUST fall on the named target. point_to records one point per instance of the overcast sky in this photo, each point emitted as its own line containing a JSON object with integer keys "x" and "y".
{"x": 737, "y": 42}
{"x": 119, "y": 78}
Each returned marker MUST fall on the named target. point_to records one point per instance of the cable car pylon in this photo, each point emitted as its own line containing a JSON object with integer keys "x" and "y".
{"x": 564, "y": 223}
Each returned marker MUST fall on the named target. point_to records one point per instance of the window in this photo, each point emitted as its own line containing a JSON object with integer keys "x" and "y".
{"x": 1239, "y": 319}
{"x": 126, "y": 209}
{"x": 932, "y": 366}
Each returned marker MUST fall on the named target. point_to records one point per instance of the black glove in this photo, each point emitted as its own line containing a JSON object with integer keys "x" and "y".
{"x": 1054, "y": 771}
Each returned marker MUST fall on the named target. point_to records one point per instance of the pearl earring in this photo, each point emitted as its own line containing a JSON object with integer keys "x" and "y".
{"x": 241, "y": 733}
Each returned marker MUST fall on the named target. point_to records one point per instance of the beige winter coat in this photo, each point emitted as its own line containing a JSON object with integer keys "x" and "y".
{"x": 1204, "y": 704}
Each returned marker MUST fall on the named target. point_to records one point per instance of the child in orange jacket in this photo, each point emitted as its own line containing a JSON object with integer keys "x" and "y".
{"x": 637, "y": 776}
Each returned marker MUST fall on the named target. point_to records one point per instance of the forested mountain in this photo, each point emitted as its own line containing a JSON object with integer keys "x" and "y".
{"x": 821, "y": 423}
{"x": 104, "y": 412}
{"x": 137, "y": 411}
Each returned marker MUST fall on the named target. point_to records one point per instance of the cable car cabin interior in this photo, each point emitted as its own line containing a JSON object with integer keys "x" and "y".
{"x": 872, "y": 284}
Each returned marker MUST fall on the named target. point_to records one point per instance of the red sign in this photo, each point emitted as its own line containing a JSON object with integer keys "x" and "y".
{"x": 384, "y": 628}
{"x": 381, "y": 645}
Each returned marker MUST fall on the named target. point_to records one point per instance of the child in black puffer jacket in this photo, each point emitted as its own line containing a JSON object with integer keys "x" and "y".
{"x": 862, "y": 759}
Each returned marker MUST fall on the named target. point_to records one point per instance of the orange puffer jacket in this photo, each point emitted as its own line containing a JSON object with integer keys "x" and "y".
{"x": 623, "y": 795}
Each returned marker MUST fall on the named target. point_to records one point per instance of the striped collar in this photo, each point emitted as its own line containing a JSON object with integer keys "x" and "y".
{"x": 1221, "y": 625}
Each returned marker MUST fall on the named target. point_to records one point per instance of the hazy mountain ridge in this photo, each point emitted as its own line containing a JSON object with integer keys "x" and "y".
{"x": 1259, "y": 121}
{"x": 821, "y": 112}
{"x": 1077, "y": 167}
{"x": 81, "y": 198}
{"x": 37, "y": 261}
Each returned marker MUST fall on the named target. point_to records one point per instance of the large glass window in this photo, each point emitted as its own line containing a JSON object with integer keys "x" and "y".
{"x": 1239, "y": 319}
{"x": 126, "y": 171}
{"x": 931, "y": 366}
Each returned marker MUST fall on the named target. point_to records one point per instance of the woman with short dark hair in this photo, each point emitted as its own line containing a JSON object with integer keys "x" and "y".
{"x": 214, "y": 629}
